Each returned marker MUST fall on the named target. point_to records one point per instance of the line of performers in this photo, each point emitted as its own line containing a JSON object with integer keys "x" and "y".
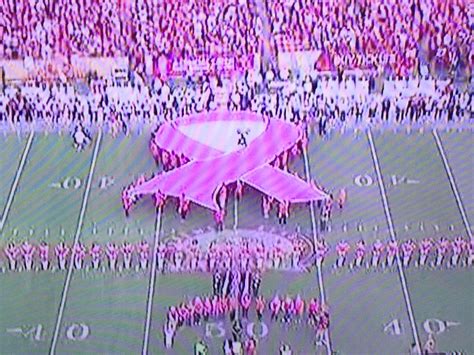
{"x": 451, "y": 251}
{"x": 242, "y": 252}
{"x": 43, "y": 254}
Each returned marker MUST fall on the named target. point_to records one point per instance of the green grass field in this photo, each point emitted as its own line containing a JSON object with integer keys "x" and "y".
{"x": 50, "y": 192}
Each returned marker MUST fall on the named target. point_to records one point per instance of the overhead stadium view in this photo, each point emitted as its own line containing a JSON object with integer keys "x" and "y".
{"x": 236, "y": 177}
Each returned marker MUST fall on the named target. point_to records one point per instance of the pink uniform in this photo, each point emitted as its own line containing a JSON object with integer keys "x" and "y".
{"x": 28, "y": 252}
{"x": 44, "y": 255}
{"x": 12, "y": 252}
{"x": 95, "y": 252}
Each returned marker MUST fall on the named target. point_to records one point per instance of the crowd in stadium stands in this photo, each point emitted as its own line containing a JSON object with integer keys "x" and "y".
{"x": 385, "y": 37}
{"x": 451, "y": 252}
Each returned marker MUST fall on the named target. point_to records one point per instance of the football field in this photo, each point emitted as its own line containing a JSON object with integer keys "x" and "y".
{"x": 400, "y": 186}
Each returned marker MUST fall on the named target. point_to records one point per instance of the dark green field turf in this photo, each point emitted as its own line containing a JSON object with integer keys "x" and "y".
{"x": 105, "y": 312}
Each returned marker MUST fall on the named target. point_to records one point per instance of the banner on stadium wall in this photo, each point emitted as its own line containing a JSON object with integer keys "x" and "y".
{"x": 228, "y": 65}
{"x": 14, "y": 70}
{"x": 303, "y": 60}
{"x": 105, "y": 67}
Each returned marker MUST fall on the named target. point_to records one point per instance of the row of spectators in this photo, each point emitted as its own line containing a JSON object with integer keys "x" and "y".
{"x": 394, "y": 34}
{"x": 328, "y": 102}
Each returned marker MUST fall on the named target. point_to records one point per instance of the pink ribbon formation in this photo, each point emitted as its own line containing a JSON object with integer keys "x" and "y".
{"x": 197, "y": 172}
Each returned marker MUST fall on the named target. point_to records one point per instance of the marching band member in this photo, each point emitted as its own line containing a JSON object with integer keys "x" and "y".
{"x": 95, "y": 252}
{"x": 44, "y": 255}
{"x": 321, "y": 250}
{"x": 341, "y": 200}
{"x": 408, "y": 248}
{"x": 299, "y": 307}
{"x": 143, "y": 251}
{"x": 360, "y": 253}
{"x": 260, "y": 306}
{"x": 266, "y": 206}
{"x": 112, "y": 252}
{"x": 127, "y": 251}
{"x": 377, "y": 250}
{"x": 392, "y": 251}
{"x": 274, "y": 306}
{"x": 459, "y": 244}
{"x": 342, "y": 249}
{"x": 470, "y": 249}
{"x": 79, "y": 253}
{"x": 28, "y": 251}
{"x": 61, "y": 250}
{"x": 442, "y": 248}
{"x": 12, "y": 252}
{"x": 425, "y": 247}
{"x": 161, "y": 256}
{"x": 245, "y": 302}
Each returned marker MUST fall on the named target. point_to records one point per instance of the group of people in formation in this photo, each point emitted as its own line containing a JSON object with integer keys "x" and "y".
{"x": 453, "y": 252}
{"x": 288, "y": 310}
{"x": 242, "y": 253}
{"x": 29, "y": 257}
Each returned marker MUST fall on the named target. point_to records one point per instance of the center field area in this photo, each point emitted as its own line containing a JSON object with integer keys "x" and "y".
{"x": 52, "y": 193}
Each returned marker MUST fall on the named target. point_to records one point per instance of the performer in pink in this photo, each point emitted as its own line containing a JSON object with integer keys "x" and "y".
{"x": 239, "y": 190}
{"x": 194, "y": 255}
{"x": 313, "y": 309}
{"x": 442, "y": 249}
{"x": 277, "y": 256}
{"x": 392, "y": 251}
{"x": 321, "y": 250}
{"x": 266, "y": 207}
{"x": 342, "y": 249}
{"x": 95, "y": 253}
{"x": 161, "y": 251}
{"x": 283, "y": 211}
{"x": 44, "y": 255}
{"x": 260, "y": 306}
{"x": 12, "y": 252}
{"x": 425, "y": 247}
{"x": 260, "y": 256}
{"x": 297, "y": 252}
{"x": 165, "y": 159}
{"x": 299, "y": 307}
{"x": 112, "y": 252}
{"x": 470, "y": 249}
{"x": 341, "y": 200}
{"x": 245, "y": 302}
{"x": 275, "y": 305}
{"x": 127, "y": 251}
{"x": 360, "y": 253}
{"x": 61, "y": 250}
{"x": 377, "y": 251}
{"x": 126, "y": 201}
{"x": 159, "y": 200}
{"x": 408, "y": 248}
{"x": 212, "y": 257}
{"x": 207, "y": 308}
{"x": 28, "y": 251}
{"x": 288, "y": 309}
{"x": 183, "y": 206}
{"x": 459, "y": 245}
{"x": 198, "y": 309}
{"x": 155, "y": 151}
{"x": 143, "y": 249}
{"x": 79, "y": 252}
{"x": 219, "y": 217}
{"x": 179, "y": 255}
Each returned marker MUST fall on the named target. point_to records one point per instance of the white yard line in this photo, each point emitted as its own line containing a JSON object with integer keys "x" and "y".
{"x": 315, "y": 239}
{"x": 393, "y": 237}
{"x": 452, "y": 182}
{"x": 76, "y": 240}
{"x": 151, "y": 286}
{"x": 11, "y": 195}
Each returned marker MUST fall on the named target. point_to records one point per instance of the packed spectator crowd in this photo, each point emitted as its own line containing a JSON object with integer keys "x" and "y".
{"x": 404, "y": 45}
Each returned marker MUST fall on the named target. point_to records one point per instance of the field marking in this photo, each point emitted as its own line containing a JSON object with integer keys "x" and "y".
{"x": 315, "y": 239}
{"x": 21, "y": 166}
{"x": 151, "y": 286}
{"x": 76, "y": 241}
{"x": 452, "y": 182}
{"x": 393, "y": 237}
